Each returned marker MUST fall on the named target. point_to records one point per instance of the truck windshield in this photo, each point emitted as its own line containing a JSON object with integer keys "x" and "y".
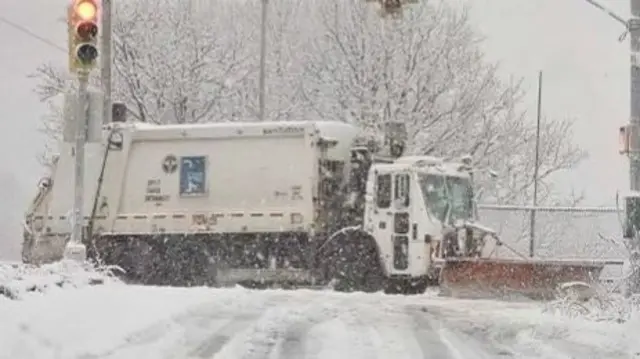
{"x": 440, "y": 192}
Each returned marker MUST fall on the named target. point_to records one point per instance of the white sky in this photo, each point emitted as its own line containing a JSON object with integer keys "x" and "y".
{"x": 20, "y": 108}
{"x": 585, "y": 76}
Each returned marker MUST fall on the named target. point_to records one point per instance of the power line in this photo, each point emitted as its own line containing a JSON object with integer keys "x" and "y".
{"x": 609, "y": 12}
{"x": 31, "y": 34}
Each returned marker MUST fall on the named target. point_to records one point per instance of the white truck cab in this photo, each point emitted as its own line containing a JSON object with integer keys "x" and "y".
{"x": 409, "y": 205}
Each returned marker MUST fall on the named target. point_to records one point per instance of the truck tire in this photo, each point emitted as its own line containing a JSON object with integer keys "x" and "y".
{"x": 184, "y": 262}
{"x": 351, "y": 262}
{"x": 136, "y": 256}
{"x": 157, "y": 260}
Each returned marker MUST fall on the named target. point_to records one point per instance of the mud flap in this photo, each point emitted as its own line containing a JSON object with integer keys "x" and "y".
{"x": 513, "y": 278}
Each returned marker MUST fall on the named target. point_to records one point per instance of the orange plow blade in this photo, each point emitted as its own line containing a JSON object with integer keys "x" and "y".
{"x": 508, "y": 278}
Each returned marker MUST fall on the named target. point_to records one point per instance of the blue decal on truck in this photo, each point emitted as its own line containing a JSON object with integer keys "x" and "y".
{"x": 193, "y": 175}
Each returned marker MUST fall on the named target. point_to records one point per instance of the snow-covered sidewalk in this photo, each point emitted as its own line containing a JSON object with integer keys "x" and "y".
{"x": 18, "y": 280}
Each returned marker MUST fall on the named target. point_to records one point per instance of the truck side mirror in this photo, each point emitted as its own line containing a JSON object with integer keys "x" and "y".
{"x": 396, "y": 149}
{"x": 118, "y": 112}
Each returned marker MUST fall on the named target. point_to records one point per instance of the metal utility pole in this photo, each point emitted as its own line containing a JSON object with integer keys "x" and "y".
{"x": 634, "y": 115}
{"x": 633, "y": 28}
{"x": 263, "y": 59}
{"x": 634, "y": 155}
{"x": 631, "y": 140}
{"x": 82, "y": 126}
{"x": 106, "y": 60}
{"x": 536, "y": 169}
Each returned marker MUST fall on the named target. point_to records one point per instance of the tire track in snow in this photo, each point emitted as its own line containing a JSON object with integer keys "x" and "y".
{"x": 344, "y": 335}
{"x": 324, "y": 326}
{"x": 295, "y": 340}
{"x": 440, "y": 341}
{"x": 505, "y": 336}
{"x": 198, "y": 332}
{"x": 367, "y": 327}
{"x": 215, "y": 342}
{"x": 214, "y": 337}
{"x": 392, "y": 332}
{"x": 282, "y": 331}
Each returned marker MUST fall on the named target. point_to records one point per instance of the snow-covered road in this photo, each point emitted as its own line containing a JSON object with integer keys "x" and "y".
{"x": 136, "y": 322}
{"x": 118, "y": 321}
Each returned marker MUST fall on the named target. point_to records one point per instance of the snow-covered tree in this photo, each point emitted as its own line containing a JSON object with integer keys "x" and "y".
{"x": 332, "y": 61}
{"x": 171, "y": 56}
{"x": 428, "y": 71}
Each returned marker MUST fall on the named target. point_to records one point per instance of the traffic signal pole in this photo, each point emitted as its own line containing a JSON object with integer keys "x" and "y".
{"x": 76, "y": 247}
{"x": 83, "y": 53}
{"x": 106, "y": 61}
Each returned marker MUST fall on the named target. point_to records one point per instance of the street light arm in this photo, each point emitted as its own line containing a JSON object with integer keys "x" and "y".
{"x": 610, "y": 13}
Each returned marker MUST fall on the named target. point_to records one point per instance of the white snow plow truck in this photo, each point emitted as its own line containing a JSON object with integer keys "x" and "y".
{"x": 283, "y": 203}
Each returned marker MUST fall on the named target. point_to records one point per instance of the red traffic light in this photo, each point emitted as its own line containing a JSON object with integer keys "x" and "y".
{"x": 87, "y": 30}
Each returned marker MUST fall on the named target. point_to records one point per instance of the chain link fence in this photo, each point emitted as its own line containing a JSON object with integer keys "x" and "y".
{"x": 560, "y": 232}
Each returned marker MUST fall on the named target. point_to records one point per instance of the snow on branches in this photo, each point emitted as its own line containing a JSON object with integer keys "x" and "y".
{"x": 331, "y": 61}
{"x": 428, "y": 71}
{"x": 170, "y": 57}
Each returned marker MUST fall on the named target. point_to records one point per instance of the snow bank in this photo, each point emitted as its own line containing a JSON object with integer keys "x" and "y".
{"x": 603, "y": 308}
{"x": 19, "y": 280}
{"x": 532, "y": 331}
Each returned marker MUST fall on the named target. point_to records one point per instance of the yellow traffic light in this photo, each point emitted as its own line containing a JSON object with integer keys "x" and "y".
{"x": 86, "y": 10}
{"x": 83, "y": 35}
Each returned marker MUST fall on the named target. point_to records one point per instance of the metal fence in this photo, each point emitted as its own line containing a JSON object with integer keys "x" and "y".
{"x": 560, "y": 232}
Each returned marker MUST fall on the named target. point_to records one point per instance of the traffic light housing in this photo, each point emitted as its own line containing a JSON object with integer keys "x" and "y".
{"x": 83, "y": 35}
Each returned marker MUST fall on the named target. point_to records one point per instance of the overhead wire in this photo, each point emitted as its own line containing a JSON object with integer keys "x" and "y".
{"x": 31, "y": 33}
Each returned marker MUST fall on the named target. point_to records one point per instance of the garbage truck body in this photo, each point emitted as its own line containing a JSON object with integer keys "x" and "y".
{"x": 275, "y": 203}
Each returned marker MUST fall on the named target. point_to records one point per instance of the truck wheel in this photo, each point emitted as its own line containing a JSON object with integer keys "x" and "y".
{"x": 143, "y": 258}
{"x": 134, "y": 255}
{"x": 352, "y": 263}
{"x": 185, "y": 263}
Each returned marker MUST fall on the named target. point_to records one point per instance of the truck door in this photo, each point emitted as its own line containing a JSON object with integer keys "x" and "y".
{"x": 382, "y": 217}
{"x": 392, "y": 220}
{"x": 401, "y": 222}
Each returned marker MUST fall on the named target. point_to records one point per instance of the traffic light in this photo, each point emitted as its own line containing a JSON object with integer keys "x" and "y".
{"x": 83, "y": 35}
